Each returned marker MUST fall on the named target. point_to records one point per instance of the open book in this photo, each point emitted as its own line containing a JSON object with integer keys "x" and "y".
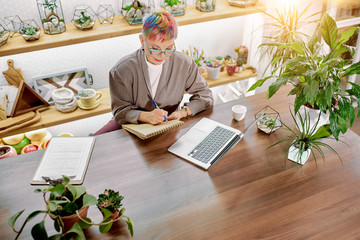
{"x": 145, "y": 130}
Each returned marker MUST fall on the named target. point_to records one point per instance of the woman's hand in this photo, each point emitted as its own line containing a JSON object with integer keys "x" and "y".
{"x": 177, "y": 115}
{"x": 154, "y": 117}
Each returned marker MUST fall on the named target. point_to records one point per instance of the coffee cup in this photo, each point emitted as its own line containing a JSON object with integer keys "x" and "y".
{"x": 89, "y": 97}
{"x": 238, "y": 112}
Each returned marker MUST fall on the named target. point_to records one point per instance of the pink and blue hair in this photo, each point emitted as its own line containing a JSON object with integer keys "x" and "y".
{"x": 160, "y": 24}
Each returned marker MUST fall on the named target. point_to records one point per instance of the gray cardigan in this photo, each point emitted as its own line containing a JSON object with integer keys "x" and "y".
{"x": 130, "y": 86}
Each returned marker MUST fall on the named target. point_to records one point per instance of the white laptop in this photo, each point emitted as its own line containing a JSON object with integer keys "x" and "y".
{"x": 206, "y": 142}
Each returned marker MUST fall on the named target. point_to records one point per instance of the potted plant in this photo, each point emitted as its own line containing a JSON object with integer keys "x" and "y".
{"x": 305, "y": 139}
{"x": 242, "y": 53}
{"x": 317, "y": 76}
{"x": 205, "y": 5}
{"x": 175, "y": 7}
{"x": 231, "y": 66}
{"x": 213, "y": 68}
{"x": 134, "y": 10}
{"x": 30, "y": 33}
{"x": 269, "y": 120}
{"x": 52, "y": 16}
{"x": 84, "y": 18}
{"x": 222, "y": 63}
{"x": 197, "y": 56}
{"x": 67, "y": 205}
{"x": 109, "y": 204}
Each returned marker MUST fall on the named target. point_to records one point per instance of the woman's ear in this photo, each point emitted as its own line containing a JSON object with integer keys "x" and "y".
{"x": 141, "y": 40}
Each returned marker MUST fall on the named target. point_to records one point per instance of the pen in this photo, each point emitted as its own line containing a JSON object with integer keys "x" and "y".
{"x": 157, "y": 107}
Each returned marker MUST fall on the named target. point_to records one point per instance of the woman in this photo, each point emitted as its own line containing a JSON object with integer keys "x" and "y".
{"x": 148, "y": 85}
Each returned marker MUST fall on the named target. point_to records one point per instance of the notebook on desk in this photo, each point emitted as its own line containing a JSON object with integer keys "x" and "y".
{"x": 206, "y": 142}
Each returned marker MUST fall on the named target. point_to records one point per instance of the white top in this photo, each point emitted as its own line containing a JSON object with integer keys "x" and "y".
{"x": 154, "y": 75}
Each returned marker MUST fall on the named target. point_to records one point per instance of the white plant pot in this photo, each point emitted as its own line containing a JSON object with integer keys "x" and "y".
{"x": 314, "y": 115}
{"x": 213, "y": 73}
{"x": 293, "y": 155}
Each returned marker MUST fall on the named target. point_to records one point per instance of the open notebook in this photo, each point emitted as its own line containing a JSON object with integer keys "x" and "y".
{"x": 145, "y": 130}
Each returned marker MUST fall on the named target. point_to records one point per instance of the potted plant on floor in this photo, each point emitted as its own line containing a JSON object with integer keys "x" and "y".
{"x": 109, "y": 204}
{"x": 305, "y": 139}
{"x": 67, "y": 205}
{"x": 318, "y": 76}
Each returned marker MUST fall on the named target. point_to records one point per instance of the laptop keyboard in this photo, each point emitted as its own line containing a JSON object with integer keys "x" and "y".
{"x": 208, "y": 147}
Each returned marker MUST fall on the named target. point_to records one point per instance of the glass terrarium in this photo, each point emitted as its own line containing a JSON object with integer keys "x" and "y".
{"x": 29, "y": 30}
{"x": 105, "y": 14}
{"x": 175, "y": 7}
{"x": 51, "y": 15}
{"x": 134, "y": 10}
{"x": 84, "y": 18}
{"x": 12, "y": 24}
{"x": 205, "y": 5}
{"x": 4, "y": 35}
{"x": 269, "y": 121}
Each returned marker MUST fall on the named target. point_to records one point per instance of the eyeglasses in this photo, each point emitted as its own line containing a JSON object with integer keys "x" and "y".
{"x": 159, "y": 52}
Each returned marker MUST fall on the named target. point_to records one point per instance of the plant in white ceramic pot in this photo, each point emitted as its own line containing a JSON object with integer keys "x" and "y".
{"x": 213, "y": 68}
{"x": 318, "y": 76}
{"x": 305, "y": 139}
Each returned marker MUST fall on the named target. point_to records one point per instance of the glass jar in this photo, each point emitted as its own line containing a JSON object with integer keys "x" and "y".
{"x": 84, "y": 18}
{"x": 205, "y": 5}
{"x": 4, "y": 35}
{"x": 105, "y": 14}
{"x": 175, "y": 7}
{"x": 51, "y": 16}
{"x": 29, "y": 30}
{"x": 134, "y": 10}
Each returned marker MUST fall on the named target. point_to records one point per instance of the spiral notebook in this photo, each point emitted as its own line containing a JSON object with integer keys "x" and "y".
{"x": 145, "y": 130}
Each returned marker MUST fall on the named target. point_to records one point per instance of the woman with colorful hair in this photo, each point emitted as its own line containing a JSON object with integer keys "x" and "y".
{"x": 156, "y": 74}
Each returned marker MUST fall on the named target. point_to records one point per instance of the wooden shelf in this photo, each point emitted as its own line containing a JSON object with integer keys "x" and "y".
{"x": 119, "y": 27}
{"x": 51, "y": 117}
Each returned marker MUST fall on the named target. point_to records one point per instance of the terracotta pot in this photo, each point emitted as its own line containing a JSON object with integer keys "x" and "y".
{"x": 114, "y": 216}
{"x": 230, "y": 69}
{"x": 8, "y": 151}
{"x": 69, "y": 221}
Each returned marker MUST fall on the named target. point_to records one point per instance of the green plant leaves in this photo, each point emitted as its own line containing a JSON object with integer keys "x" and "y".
{"x": 323, "y": 132}
{"x": 38, "y": 232}
{"x": 78, "y": 231}
{"x": 89, "y": 200}
{"x": 53, "y": 204}
{"x": 258, "y": 83}
{"x": 57, "y": 190}
{"x": 70, "y": 208}
{"x": 345, "y": 36}
{"x": 296, "y": 47}
{"x": 329, "y": 30}
{"x": 14, "y": 217}
{"x": 105, "y": 228}
{"x": 130, "y": 225}
{"x": 353, "y": 69}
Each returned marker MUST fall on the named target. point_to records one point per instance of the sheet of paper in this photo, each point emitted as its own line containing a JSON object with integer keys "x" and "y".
{"x": 65, "y": 156}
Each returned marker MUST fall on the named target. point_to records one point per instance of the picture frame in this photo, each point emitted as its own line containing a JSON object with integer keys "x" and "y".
{"x": 75, "y": 80}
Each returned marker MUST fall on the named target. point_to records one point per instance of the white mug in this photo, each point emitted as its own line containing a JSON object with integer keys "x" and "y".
{"x": 238, "y": 112}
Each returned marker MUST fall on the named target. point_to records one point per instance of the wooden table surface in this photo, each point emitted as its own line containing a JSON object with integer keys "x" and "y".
{"x": 248, "y": 194}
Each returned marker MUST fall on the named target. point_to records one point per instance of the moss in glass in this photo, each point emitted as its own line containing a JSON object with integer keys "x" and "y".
{"x": 84, "y": 17}
{"x": 134, "y": 10}
{"x": 205, "y": 5}
{"x": 29, "y": 30}
{"x": 105, "y": 14}
{"x": 175, "y": 7}
{"x": 51, "y": 16}
{"x": 270, "y": 121}
{"x": 4, "y": 35}
{"x": 13, "y": 24}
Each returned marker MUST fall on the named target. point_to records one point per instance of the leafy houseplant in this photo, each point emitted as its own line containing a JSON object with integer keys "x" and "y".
{"x": 213, "y": 68}
{"x": 30, "y": 33}
{"x": 51, "y": 16}
{"x": 316, "y": 76}
{"x": 284, "y": 28}
{"x": 65, "y": 201}
{"x": 305, "y": 139}
{"x": 175, "y": 7}
{"x": 84, "y": 22}
{"x": 196, "y": 55}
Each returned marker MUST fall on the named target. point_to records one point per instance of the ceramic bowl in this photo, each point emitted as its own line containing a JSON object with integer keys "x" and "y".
{"x": 68, "y": 107}
{"x": 7, "y": 151}
{"x": 62, "y": 96}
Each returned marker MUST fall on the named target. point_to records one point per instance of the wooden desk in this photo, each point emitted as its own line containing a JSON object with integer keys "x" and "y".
{"x": 51, "y": 117}
{"x": 248, "y": 194}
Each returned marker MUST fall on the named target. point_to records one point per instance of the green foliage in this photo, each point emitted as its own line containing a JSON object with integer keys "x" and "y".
{"x": 172, "y": 2}
{"x": 195, "y": 54}
{"x": 306, "y": 136}
{"x": 110, "y": 200}
{"x": 83, "y": 20}
{"x": 284, "y": 28}
{"x": 50, "y": 4}
{"x": 65, "y": 199}
{"x": 316, "y": 75}
{"x": 212, "y": 63}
